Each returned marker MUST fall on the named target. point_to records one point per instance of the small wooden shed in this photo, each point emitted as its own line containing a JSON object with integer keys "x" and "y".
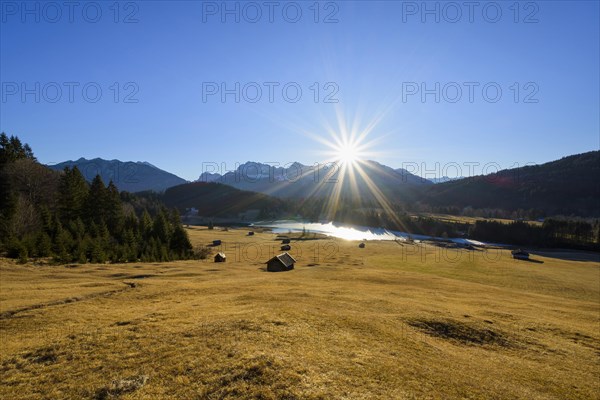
{"x": 282, "y": 262}
{"x": 220, "y": 257}
{"x": 286, "y": 247}
{"x": 520, "y": 254}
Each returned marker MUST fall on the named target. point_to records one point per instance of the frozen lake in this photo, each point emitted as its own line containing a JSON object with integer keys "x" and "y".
{"x": 351, "y": 232}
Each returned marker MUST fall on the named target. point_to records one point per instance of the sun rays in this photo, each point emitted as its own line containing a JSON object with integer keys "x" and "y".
{"x": 348, "y": 147}
{"x": 344, "y": 176}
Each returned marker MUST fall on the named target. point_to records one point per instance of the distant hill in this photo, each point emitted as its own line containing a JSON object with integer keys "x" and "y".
{"x": 128, "y": 176}
{"x": 444, "y": 179}
{"x": 300, "y": 181}
{"x": 563, "y": 187}
{"x": 217, "y": 200}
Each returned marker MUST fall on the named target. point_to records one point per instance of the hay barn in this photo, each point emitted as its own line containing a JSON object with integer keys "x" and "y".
{"x": 520, "y": 254}
{"x": 282, "y": 262}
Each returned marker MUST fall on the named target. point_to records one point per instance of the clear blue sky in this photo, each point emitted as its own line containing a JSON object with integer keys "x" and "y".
{"x": 374, "y": 54}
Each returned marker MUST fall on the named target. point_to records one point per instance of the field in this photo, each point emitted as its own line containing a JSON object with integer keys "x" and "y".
{"x": 389, "y": 321}
{"x": 471, "y": 220}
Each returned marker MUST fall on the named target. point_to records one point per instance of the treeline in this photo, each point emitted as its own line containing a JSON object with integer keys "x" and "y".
{"x": 530, "y": 214}
{"x": 45, "y": 213}
{"x": 576, "y": 234}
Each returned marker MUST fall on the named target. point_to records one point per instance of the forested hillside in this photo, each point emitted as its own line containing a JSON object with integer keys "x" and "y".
{"x": 569, "y": 186}
{"x": 45, "y": 213}
{"x": 218, "y": 200}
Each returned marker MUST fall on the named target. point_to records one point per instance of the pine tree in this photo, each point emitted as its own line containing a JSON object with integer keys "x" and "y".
{"x": 132, "y": 223}
{"x": 59, "y": 248}
{"x": 175, "y": 217}
{"x": 154, "y": 250}
{"x": 43, "y": 245}
{"x": 14, "y": 247}
{"x": 46, "y": 219}
{"x": 22, "y": 253}
{"x": 98, "y": 255}
{"x": 180, "y": 243}
{"x": 103, "y": 238}
{"x": 86, "y": 247}
{"x": 97, "y": 202}
{"x": 146, "y": 225}
{"x": 164, "y": 253}
{"x": 77, "y": 229}
{"x": 73, "y": 193}
{"x": 11, "y": 150}
{"x": 114, "y": 210}
{"x": 80, "y": 255}
{"x": 4, "y": 149}
{"x": 80, "y": 251}
{"x": 132, "y": 254}
{"x": 161, "y": 228}
{"x": 131, "y": 245}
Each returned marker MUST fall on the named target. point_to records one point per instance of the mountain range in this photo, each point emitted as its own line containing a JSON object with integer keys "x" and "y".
{"x": 319, "y": 181}
{"x": 127, "y": 175}
{"x": 568, "y": 186}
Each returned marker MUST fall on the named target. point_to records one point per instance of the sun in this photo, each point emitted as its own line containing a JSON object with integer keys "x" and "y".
{"x": 348, "y": 153}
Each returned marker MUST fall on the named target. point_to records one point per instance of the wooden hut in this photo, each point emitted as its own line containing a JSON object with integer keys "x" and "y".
{"x": 520, "y": 254}
{"x": 282, "y": 262}
{"x": 286, "y": 247}
{"x": 220, "y": 257}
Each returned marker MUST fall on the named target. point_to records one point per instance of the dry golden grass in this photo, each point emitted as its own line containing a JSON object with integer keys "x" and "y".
{"x": 472, "y": 220}
{"x": 389, "y": 321}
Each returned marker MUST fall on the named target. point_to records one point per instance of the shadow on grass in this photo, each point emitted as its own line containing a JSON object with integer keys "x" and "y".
{"x": 531, "y": 260}
{"x": 461, "y": 333}
{"x": 569, "y": 255}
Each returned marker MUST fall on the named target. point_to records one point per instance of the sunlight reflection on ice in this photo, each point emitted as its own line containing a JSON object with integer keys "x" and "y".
{"x": 339, "y": 231}
{"x": 352, "y": 232}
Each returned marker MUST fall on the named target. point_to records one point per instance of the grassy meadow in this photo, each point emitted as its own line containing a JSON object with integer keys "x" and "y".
{"x": 390, "y": 321}
{"x": 471, "y": 220}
